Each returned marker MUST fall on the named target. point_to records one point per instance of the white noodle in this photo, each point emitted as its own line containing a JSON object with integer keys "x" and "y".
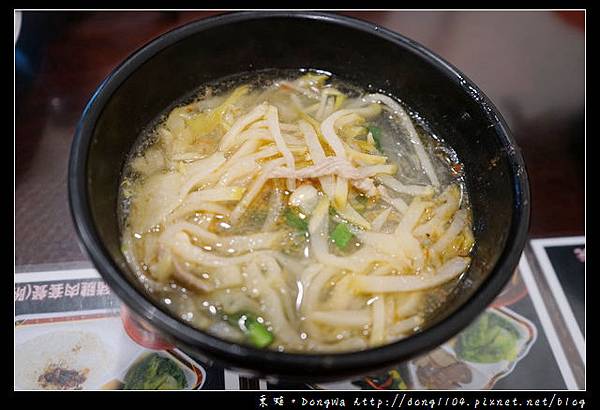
{"x": 366, "y": 186}
{"x": 259, "y": 134}
{"x": 317, "y": 154}
{"x": 415, "y": 190}
{"x": 412, "y": 134}
{"x": 272, "y": 305}
{"x": 314, "y": 288}
{"x": 378, "y": 318}
{"x": 229, "y": 277}
{"x": 413, "y": 214}
{"x": 254, "y": 189}
{"x": 380, "y": 219}
{"x": 181, "y": 245}
{"x": 408, "y": 303}
{"x": 397, "y": 203}
{"x": 328, "y": 131}
{"x": 342, "y": 318}
{"x": 410, "y": 283}
{"x": 273, "y": 122}
{"x": 404, "y": 326}
{"x": 221, "y": 194}
{"x": 383, "y": 269}
{"x": 198, "y": 171}
{"x": 342, "y": 296}
{"x": 454, "y": 229}
{"x": 277, "y": 281}
{"x": 350, "y": 214}
{"x": 334, "y": 166}
{"x": 321, "y": 111}
{"x": 329, "y": 107}
{"x": 276, "y": 206}
{"x": 229, "y": 138}
{"x": 441, "y": 214}
{"x": 340, "y": 196}
{"x": 188, "y": 278}
{"x": 238, "y": 170}
{"x": 198, "y": 206}
{"x": 237, "y": 243}
{"x": 304, "y": 278}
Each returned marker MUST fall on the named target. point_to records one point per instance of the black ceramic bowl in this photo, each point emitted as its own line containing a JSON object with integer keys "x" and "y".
{"x": 167, "y": 68}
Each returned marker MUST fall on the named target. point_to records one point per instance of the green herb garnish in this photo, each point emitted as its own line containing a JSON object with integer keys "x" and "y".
{"x": 341, "y": 235}
{"x": 376, "y": 133}
{"x": 257, "y": 333}
{"x": 294, "y": 220}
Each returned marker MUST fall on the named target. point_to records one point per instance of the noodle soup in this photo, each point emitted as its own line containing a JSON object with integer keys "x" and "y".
{"x": 297, "y": 212}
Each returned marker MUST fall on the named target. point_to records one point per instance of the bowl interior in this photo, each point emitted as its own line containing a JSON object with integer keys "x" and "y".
{"x": 148, "y": 84}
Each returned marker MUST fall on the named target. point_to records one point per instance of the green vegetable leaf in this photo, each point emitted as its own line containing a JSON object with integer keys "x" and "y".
{"x": 155, "y": 372}
{"x": 376, "y": 133}
{"x": 489, "y": 339}
{"x": 341, "y": 235}
{"x": 294, "y": 220}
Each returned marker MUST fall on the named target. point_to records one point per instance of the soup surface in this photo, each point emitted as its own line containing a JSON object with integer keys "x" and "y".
{"x": 295, "y": 211}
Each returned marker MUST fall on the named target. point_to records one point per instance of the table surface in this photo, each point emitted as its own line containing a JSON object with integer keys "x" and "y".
{"x": 531, "y": 65}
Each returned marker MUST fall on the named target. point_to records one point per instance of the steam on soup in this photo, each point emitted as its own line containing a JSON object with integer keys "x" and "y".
{"x": 296, "y": 212}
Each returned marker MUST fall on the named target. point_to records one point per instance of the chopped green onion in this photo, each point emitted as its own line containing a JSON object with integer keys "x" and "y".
{"x": 332, "y": 211}
{"x": 294, "y": 220}
{"x": 256, "y": 332}
{"x": 376, "y": 133}
{"x": 341, "y": 235}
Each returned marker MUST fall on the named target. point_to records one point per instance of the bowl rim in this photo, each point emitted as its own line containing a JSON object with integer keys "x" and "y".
{"x": 270, "y": 362}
